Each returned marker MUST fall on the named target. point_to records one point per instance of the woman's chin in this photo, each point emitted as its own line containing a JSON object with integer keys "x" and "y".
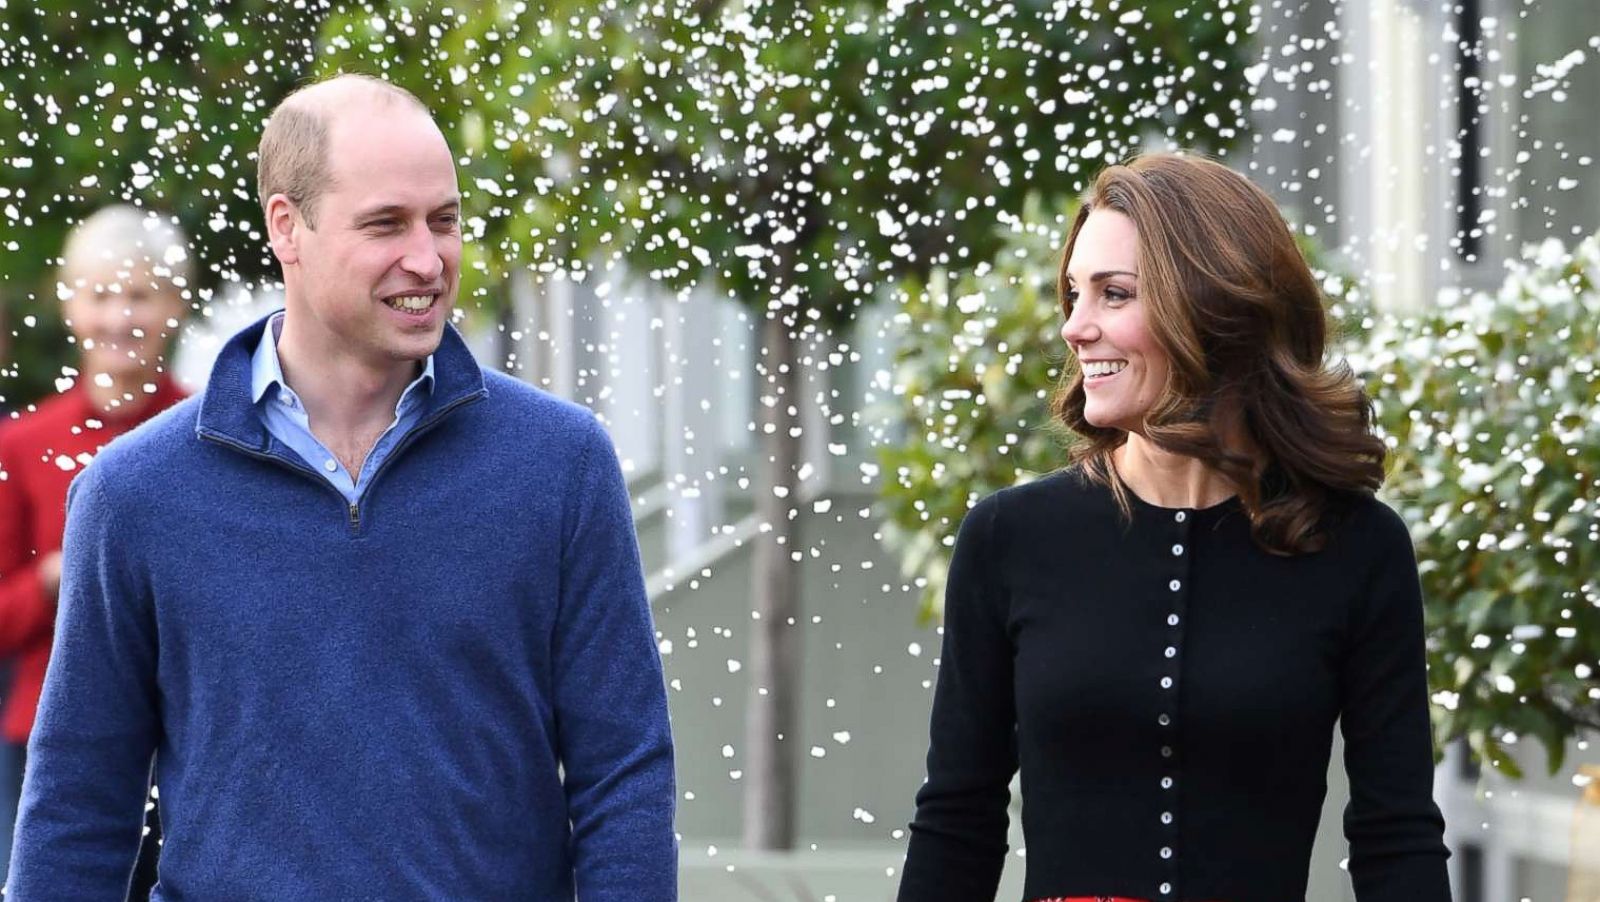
{"x": 1104, "y": 419}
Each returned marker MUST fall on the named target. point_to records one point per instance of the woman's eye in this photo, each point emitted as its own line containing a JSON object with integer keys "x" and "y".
{"x": 1071, "y": 298}
{"x": 1117, "y": 296}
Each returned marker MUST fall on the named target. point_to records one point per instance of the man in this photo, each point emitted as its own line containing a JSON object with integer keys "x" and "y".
{"x": 379, "y": 612}
{"x": 122, "y": 281}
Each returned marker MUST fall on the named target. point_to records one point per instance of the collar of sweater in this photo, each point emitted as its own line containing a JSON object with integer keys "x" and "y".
{"x": 226, "y": 410}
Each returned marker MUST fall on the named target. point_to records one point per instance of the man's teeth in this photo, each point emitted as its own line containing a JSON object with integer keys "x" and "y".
{"x": 413, "y": 302}
{"x": 1103, "y": 367}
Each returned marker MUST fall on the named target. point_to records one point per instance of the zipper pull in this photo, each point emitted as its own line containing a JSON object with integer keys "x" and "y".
{"x": 355, "y": 516}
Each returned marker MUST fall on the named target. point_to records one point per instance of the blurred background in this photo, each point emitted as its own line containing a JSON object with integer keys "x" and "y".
{"x": 798, "y": 257}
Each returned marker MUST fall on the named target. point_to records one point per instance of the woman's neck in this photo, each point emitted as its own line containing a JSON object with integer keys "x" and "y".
{"x": 120, "y": 396}
{"x": 1165, "y": 479}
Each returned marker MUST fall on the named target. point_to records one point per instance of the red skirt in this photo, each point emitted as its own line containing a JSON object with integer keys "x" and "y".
{"x": 1089, "y": 899}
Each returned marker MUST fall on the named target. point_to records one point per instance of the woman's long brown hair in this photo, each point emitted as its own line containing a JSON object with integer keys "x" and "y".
{"x": 1238, "y": 313}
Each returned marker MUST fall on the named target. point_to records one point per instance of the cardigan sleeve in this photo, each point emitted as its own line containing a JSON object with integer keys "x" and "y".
{"x": 958, "y": 835}
{"x": 82, "y": 806}
{"x": 26, "y": 611}
{"x": 1397, "y": 851}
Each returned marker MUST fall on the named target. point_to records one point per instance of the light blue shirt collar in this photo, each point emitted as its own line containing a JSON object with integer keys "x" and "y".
{"x": 285, "y": 417}
{"x": 266, "y": 371}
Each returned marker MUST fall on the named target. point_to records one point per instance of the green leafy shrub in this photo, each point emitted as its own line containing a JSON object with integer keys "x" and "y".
{"x": 978, "y": 359}
{"x": 1490, "y": 404}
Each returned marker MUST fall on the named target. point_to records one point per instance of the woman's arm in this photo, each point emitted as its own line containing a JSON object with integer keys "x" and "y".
{"x": 28, "y": 581}
{"x": 1397, "y": 851}
{"x": 958, "y": 837}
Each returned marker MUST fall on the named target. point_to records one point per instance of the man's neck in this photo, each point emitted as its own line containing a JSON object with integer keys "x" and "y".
{"x": 345, "y": 397}
{"x": 1166, "y": 479}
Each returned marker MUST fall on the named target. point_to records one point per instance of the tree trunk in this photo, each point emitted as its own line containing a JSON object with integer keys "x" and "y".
{"x": 771, "y": 713}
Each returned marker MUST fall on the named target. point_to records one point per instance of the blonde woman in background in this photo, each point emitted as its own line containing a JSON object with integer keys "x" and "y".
{"x": 122, "y": 283}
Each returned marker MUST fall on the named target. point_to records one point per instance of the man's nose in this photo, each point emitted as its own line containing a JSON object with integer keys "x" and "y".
{"x": 422, "y": 258}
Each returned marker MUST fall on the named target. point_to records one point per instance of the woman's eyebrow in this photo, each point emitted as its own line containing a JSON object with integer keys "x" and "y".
{"x": 1106, "y": 274}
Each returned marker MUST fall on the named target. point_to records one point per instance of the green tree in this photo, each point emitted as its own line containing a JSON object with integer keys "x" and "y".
{"x": 806, "y": 157}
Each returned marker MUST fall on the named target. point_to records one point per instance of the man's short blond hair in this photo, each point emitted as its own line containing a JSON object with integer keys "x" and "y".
{"x": 292, "y": 158}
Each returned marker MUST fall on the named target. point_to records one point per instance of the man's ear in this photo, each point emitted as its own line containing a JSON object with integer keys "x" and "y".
{"x": 285, "y": 229}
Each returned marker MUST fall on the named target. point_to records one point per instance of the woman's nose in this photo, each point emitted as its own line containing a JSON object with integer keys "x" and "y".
{"x": 1077, "y": 330}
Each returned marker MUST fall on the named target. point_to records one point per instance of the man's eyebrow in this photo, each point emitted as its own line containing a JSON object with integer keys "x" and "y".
{"x": 1106, "y": 274}
{"x": 401, "y": 209}
{"x": 380, "y": 211}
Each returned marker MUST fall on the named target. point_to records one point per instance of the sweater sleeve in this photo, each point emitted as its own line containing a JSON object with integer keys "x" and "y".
{"x": 1396, "y": 833}
{"x": 958, "y": 835}
{"x": 26, "y": 611}
{"x": 610, "y": 698}
{"x": 79, "y": 820}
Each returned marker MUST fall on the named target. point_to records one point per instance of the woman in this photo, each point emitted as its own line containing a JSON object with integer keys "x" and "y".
{"x": 1163, "y": 635}
{"x": 123, "y": 280}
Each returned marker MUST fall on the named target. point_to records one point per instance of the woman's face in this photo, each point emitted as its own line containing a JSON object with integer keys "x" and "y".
{"x": 1107, "y": 328}
{"x": 122, "y": 316}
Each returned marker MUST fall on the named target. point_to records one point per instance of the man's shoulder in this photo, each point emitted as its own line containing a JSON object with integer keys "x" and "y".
{"x": 520, "y": 410}
{"x": 154, "y": 447}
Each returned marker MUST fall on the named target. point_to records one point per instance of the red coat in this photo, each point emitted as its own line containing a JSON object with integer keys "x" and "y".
{"x": 40, "y": 452}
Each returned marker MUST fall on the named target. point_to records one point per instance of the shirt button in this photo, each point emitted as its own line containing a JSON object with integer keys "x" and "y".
{"x": 1181, "y": 516}
{"x": 1166, "y": 682}
{"x": 1172, "y": 620}
{"x": 1166, "y": 782}
{"x": 331, "y": 466}
{"x": 1166, "y": 889}
{"x": 1177, "y": 550}
{"x": 1171, "y": 652}
{"x": 1166, "y": 851}
{"x": 1164, "y": 720}
{"x": 1166, "y": 751}
{"x": 1166, "y": 818}
{"x": 1175, "y": 585}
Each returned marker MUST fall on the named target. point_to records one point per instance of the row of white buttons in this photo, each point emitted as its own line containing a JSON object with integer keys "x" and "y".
{"x": 1164, "y": 719}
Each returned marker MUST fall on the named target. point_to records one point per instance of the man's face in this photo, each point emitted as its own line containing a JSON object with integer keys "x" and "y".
{"x": 121, "y": 315}
{"x": 379, "y": 272}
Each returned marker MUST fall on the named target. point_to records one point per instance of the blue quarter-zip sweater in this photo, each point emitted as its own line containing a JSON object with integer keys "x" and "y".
{"x": 450, "y": 691}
